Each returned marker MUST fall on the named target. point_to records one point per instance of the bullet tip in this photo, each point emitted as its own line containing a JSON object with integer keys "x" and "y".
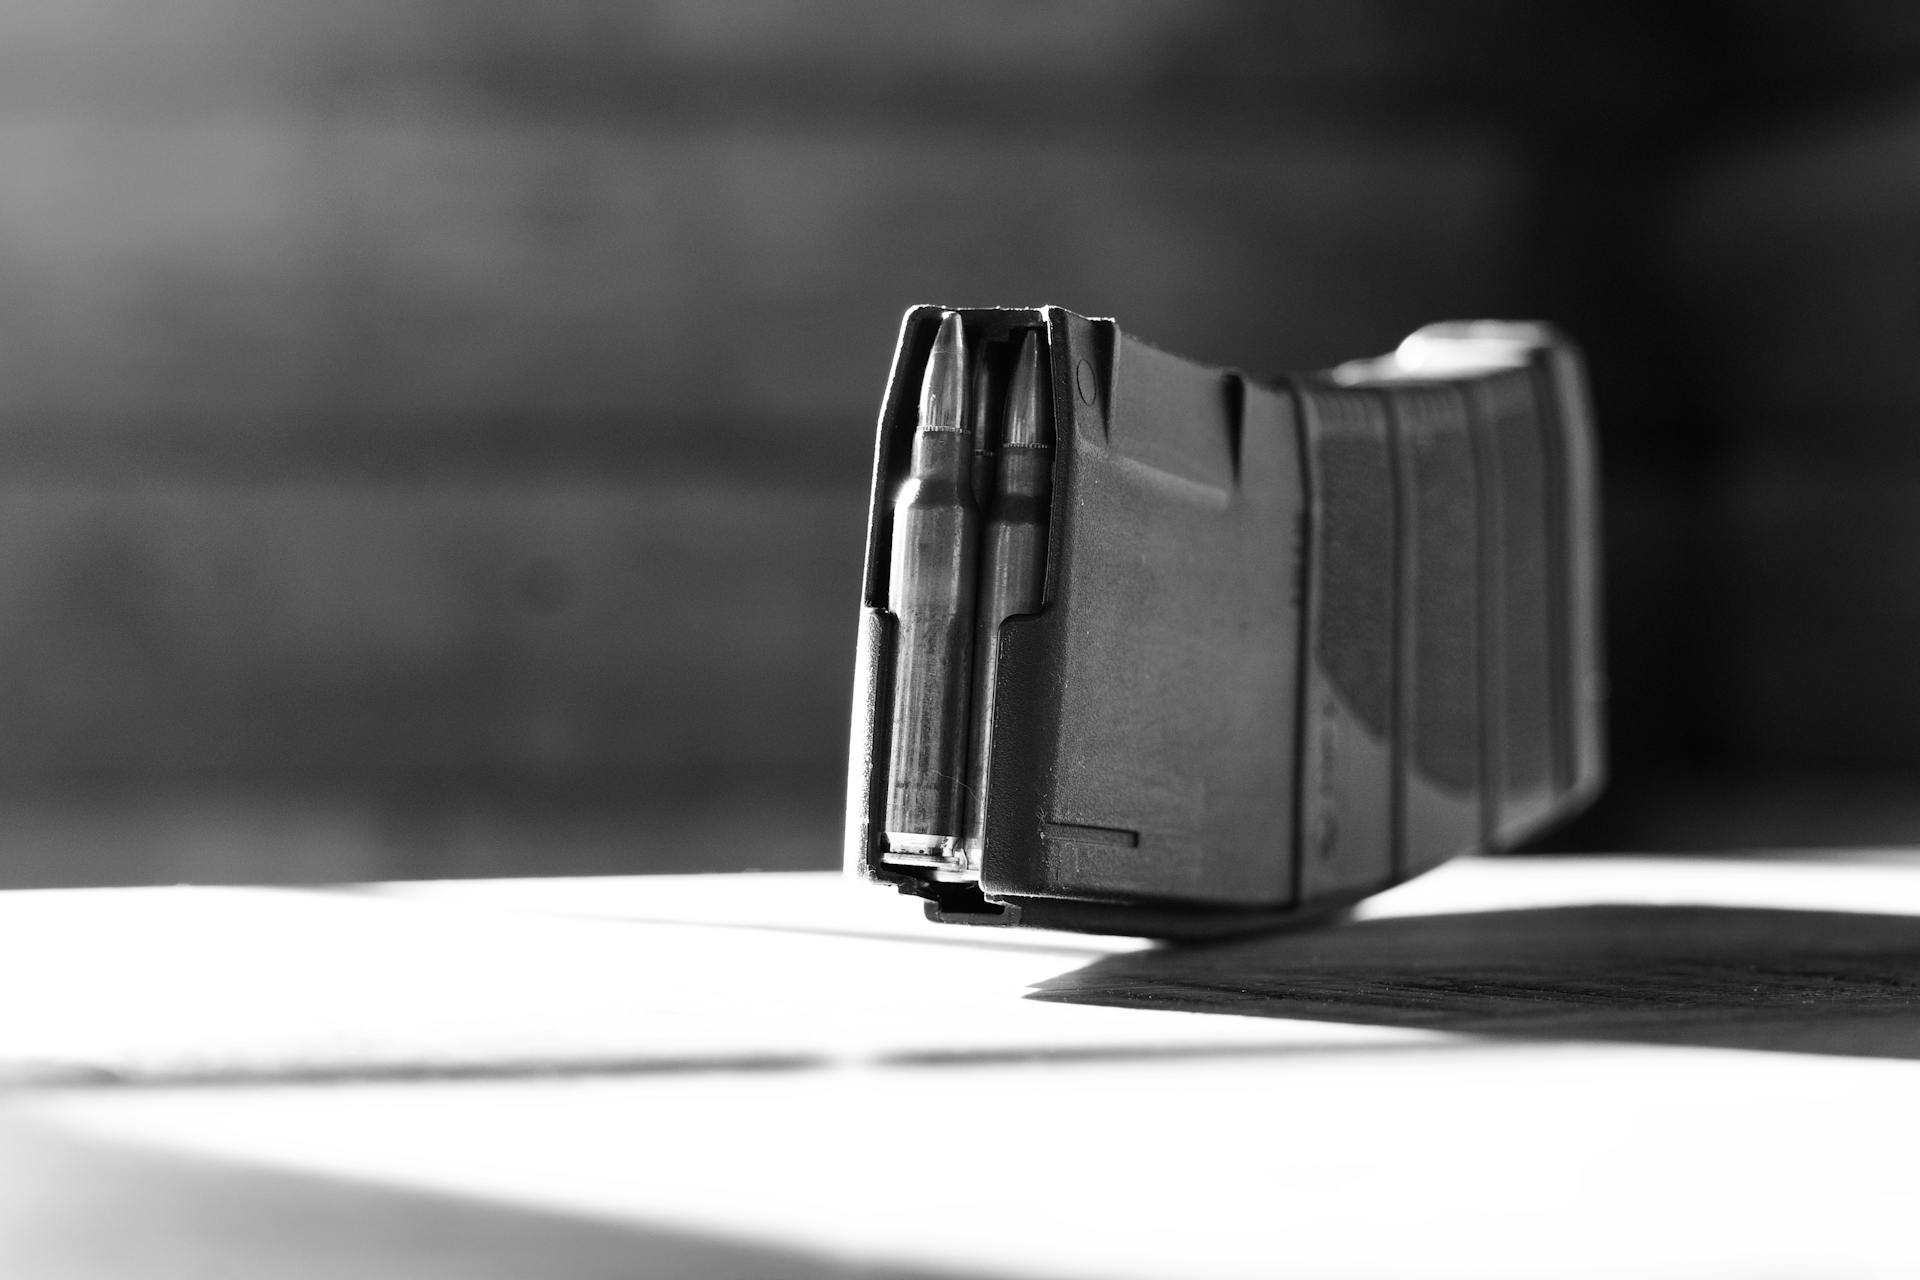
{"x": 943, "y": 389}
{"x": 1028, "y": 421}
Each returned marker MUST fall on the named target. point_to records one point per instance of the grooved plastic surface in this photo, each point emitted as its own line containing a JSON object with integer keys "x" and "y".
{"x": 1520, "y": 703}
{"x": 1347, "y": 786}
{"x": 1439, "y": 731}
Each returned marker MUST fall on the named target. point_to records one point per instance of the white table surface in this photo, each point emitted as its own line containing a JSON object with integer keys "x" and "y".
{"x": 1566, "y": 1066}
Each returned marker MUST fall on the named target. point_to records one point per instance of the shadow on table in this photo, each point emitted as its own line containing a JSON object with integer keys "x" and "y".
{"x": 1747, "y": 978}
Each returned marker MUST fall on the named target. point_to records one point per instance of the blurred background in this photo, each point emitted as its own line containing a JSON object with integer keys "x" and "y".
{"x": 433, "y": 433}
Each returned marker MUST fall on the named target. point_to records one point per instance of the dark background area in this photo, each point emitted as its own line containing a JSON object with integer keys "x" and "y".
{"x": 433, "y": 433}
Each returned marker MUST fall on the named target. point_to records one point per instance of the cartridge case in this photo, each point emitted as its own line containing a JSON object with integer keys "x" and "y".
{"x": 930, "y": 592}
{"x": 1013, "y": 560}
